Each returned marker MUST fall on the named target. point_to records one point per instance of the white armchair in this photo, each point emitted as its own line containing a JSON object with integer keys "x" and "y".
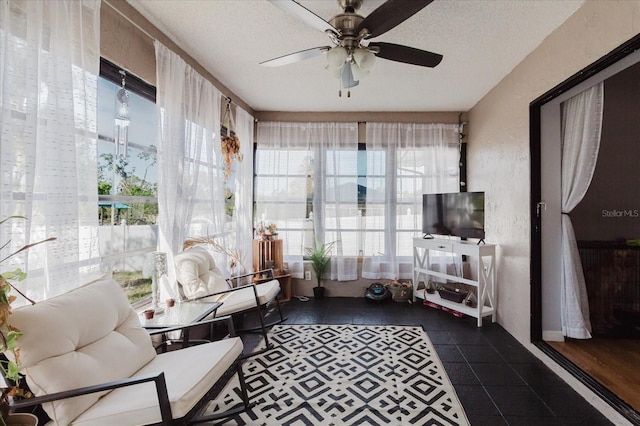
{"x": 89, "y": 362}
{"x": 199, "y": 278}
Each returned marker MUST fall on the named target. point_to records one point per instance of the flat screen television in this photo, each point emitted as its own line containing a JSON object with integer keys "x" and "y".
{"x": 459, "y": 214}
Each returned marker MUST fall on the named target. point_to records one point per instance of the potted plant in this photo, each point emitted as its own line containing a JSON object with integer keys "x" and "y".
{"x": 267, "y": 231}
{"x": 320, "y": 258}
{"x": 9, "y": 337}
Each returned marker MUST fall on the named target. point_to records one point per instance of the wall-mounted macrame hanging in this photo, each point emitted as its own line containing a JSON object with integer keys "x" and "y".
{"x": 230, "y": 142}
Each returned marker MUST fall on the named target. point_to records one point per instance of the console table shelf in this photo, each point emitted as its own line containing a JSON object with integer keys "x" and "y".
{"x": 484, "y": 281}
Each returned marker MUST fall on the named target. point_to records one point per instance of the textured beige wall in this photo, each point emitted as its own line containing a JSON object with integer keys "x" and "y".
{"x": 498, "y": 143}
{"x": 126, "y": 39}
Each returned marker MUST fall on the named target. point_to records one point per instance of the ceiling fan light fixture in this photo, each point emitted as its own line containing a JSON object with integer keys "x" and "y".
{"x": 358, "y": 72}
{"x": 337, "y": 56}
{"x": 364, "y": 58}
{"x": 335, "y": 72}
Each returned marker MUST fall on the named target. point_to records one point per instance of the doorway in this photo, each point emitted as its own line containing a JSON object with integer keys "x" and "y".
{"x": 602, "y": 231}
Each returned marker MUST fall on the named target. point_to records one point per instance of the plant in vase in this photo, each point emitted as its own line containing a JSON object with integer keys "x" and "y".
{"x": 10, "y": 335}
{"x": 320, "y": 258}
{"x": 267, "y": 231}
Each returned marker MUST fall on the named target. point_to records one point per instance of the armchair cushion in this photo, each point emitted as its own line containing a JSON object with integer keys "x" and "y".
{"x": 244, "y": 298}
{"x": 87, "y": 336}
{"x": 197, "y": 273}
{"x": 189, "y": 374}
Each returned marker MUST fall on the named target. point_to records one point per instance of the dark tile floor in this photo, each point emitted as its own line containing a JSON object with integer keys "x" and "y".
{"x": 497, "y": 380}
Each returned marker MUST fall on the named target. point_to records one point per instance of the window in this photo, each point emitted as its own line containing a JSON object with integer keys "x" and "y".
{"x": 284, "y": 195}
{"x": 368, "y": 197}
{"x": 127, "y": 183}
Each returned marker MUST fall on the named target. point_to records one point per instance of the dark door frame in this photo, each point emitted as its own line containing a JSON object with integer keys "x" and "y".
{"x": 535, "y": 138}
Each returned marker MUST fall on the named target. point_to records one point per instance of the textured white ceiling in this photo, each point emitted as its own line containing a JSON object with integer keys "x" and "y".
{"x": 481, "y": 40}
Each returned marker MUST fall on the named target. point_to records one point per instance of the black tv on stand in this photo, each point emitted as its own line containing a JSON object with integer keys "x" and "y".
{"x": 459, "y": 214}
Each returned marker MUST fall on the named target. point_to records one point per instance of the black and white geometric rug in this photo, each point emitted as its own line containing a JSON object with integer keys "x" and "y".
{"x": 346, "y": 375}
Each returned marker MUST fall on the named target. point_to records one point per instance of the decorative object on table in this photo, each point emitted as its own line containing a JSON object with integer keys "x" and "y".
{"x": 160, "y": 269}
{"x": 401, "y": 292}
{"x": 230, "y": 142}
{"x": 10, "y": 335}
{"x": 455, "y": 295}
{"x": 471, "y": 299}
{"x": 320, "y": 258}
{"x": 377, "y": 292}
{"x": 171, "y": 302}
{"x": 149, "y": 313}
{"x": 267, "y": 231}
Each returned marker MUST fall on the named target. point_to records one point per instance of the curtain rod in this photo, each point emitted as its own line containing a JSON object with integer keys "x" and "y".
{"x": 145, "y": 32}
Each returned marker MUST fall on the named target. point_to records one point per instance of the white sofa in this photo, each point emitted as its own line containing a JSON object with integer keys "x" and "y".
{"x": 90, "y": 336}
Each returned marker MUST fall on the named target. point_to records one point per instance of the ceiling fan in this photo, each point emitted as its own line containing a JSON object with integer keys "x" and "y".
{"x": 352, "y": 55}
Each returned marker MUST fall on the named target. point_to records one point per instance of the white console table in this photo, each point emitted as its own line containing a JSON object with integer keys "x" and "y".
{"x": 485, "y": 273}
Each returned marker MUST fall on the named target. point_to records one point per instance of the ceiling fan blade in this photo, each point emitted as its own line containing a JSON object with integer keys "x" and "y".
{"x": 408, "y": 55}
{"x": 347, "y": 77}
{"x": 304, "y": 14}
{"x": 390, "y": 14}
{"x": 295, "y": 57}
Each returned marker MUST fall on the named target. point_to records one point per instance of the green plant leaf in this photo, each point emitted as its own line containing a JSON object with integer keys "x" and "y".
{"x": 320, "y": 257}
{"x": 17, "y": 274}
{"x": 13, "y": 371}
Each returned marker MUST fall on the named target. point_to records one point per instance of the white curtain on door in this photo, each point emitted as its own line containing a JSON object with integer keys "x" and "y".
{"x": 49, "y": 65}
{"x": 417, "y": 159}
{"x": 335, "y": 195}
{"x": 191, "y": 171}
{"x": 581, "y": 130}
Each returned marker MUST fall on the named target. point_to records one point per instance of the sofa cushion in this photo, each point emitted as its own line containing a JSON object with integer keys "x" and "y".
{"x": 197, "y": 273}
{"x": 189, "y": 374}
{"x": 87, "y": 336}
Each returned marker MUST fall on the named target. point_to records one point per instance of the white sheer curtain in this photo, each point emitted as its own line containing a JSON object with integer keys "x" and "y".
{"x": 335, "y": 194}
{"x": 49, "y": 63}
{"x": 404, "y": 161}
{"x": 243, "y": 188}
{"x": 581, "y": 130}
{"x": 283, "y": 167}
{"x": 191, "y": 171}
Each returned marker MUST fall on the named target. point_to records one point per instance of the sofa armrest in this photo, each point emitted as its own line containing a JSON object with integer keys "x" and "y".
{"x": 159, "y": 380}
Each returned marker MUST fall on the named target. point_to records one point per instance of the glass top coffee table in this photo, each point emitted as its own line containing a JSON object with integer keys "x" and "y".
{"x": 181, "y": 313}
